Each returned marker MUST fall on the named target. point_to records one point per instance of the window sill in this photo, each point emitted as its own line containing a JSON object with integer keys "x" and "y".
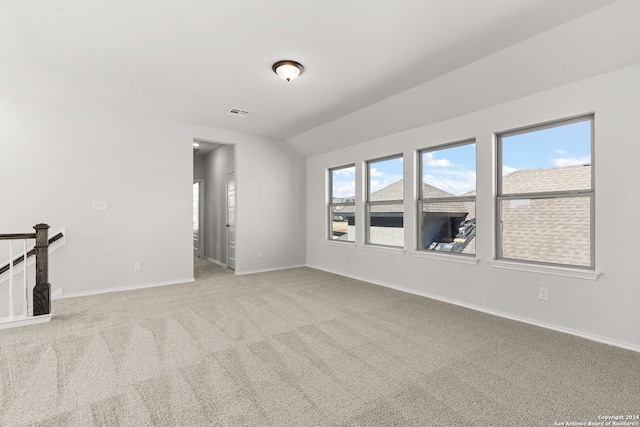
{"x": 546, "y": 269}
{"x": 386, "y": 249}
{"x": 443, "y": 256}
{"x": 342, "y": 243}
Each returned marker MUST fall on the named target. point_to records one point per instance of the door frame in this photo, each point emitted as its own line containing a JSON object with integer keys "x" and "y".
{"x": 200, "y": 217}
{"x": 228, "y": 240}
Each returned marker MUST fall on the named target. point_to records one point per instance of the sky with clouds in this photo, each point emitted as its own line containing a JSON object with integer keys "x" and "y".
{"x": 453, "y": 169}
{"x": 384, "y": 173}
{"x": 559, "y": 146}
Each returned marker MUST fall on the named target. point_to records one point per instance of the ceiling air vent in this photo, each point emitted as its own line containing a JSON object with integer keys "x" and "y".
{"x": 238, "y": 112}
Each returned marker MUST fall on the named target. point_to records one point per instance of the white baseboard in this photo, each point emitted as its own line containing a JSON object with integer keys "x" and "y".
{"x": 57, "y": 294}
{"x": 25, "y": 321}
{"x": 266, "y": 270}
{"x": 569, "y": 331}
{"x": 126, "y": 288}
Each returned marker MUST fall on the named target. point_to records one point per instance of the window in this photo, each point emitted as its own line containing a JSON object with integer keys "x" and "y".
{"x": 342, "y": 207}
{"x": 385, "y": 202}
{"x": 447, "y": 199}
{"x": 545, "y": 200}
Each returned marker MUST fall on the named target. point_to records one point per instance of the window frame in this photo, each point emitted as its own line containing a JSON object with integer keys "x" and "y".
{"x": 422, "y": 200}
{"x": 331, "y": 204}
{"x": 368, "y": 203}
{"x": 562, "y": 194}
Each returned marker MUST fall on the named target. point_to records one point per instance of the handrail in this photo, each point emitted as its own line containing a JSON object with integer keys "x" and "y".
{"x": 42, "y": 288}
{"x": 17, "y": 236}
{"x": 32, "y": 252}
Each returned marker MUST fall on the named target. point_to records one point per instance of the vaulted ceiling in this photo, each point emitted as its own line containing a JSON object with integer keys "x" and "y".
{"x": 192, "y": 61}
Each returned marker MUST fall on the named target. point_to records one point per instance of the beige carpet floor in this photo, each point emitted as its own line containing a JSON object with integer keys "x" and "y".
{"x": 300, "y": 347}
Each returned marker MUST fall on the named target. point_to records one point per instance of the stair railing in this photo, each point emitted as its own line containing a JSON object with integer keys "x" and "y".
{"x": 42, "y": 288}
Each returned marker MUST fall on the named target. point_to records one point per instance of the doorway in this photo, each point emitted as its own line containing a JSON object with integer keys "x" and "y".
{"x": 212, "y": 164}
{"x": 198, "y": 218}
{"x": 231, "y": 220}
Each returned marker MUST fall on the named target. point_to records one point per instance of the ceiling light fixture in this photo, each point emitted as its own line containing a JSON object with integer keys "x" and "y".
{"x": 195, "y": 144}
{"x": 288, "y": 70}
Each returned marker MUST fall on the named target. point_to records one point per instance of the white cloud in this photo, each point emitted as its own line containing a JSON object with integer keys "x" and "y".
{"x": 430, "y": 161}
{"x": 453, "y": 182}
{"x": 506, "y": 170}
{"x": 387, "y": 180}
{"x": 346, "y": 172}
{"x": 450, "y": 186}
{"x": 560, "y": 151}
{"x": 375, "y": 172}
{"x": 344, "y": 190}
{"x": 570, "y": 161}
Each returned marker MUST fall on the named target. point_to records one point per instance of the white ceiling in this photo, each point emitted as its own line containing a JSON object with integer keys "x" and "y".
{"x": 191, "y": 61}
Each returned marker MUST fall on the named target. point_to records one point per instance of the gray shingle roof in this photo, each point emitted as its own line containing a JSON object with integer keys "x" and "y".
{"x": 554, "y": 230}
{"x": 395, "y": 192}
{"x": 549, "y": 230}
{"x": 552, "y": 179}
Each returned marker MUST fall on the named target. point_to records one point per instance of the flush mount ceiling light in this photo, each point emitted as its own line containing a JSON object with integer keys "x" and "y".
{"x": 288, "y": 70}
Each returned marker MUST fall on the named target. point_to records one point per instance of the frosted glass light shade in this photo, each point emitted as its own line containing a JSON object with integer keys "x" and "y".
{"x": 288, "y": 70}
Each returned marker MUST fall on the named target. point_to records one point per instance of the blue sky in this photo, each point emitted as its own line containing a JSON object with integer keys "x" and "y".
{"x": 559, "y": 146}
{"x": 453, "y": 169}
{"x": 344, "y": 182}
{"x": 385, "y": 172}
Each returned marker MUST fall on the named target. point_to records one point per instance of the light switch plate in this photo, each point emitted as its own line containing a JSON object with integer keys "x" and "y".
{"x": 99, "y": 205}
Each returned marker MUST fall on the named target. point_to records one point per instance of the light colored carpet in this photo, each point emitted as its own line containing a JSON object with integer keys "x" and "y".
{"x": 300, "y": 347}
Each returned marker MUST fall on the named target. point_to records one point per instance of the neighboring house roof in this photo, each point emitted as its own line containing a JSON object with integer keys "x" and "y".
{"x": 553, "y": 230}
{"x": 395, "y": 191}
{"x": 552, "y": 179}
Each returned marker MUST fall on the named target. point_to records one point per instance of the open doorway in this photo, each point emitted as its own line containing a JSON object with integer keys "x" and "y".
{"x": 231, "y": 220}
{"x": 198, "y": 217}
{"x": 212, "y": 164}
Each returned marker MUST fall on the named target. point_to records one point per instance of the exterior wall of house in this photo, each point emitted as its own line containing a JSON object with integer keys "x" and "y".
{"x": 393, "y": 236}
{"x": 56, "y": 159}
{"x": 604, "y": 309}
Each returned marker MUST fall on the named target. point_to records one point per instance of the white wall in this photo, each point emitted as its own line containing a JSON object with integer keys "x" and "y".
{"x": 602, "y": 41}
{"x": 271, "y": 207}
{"x": 218, "y": 164}
{"x": 199, "y": 167}
{"x": 605, "y": 309}
{"x": 56, "y": 159}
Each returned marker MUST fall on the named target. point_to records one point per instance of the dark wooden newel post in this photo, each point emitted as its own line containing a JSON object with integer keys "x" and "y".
{"x": 42, "y": 289}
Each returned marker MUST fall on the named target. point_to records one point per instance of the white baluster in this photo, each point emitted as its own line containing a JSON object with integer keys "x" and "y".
{"x": 10, "y": 279}
{"x": 25, "y": 299}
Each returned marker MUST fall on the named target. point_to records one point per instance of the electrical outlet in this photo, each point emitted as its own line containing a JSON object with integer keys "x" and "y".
{"x": 543, "y": 293}
{"x": 137, "y": 266}
{"x": 259, "y": 254}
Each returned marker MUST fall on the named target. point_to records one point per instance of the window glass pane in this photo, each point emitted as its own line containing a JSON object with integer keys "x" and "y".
{"x": 449, "y": 226}
{"x": 552, "y": 159}
{"x": 343, "y": 184}
{"x": 343, "y": 225}
{"x": 449, "y": 172}
{"x": 386, "y": 223}
{"x": 385, "y": 180}
{"x": 553, "y": 230}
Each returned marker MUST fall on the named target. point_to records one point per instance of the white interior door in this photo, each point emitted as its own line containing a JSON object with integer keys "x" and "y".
{"x": 198, "y": 213}
{"x": 231, "y": 220}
